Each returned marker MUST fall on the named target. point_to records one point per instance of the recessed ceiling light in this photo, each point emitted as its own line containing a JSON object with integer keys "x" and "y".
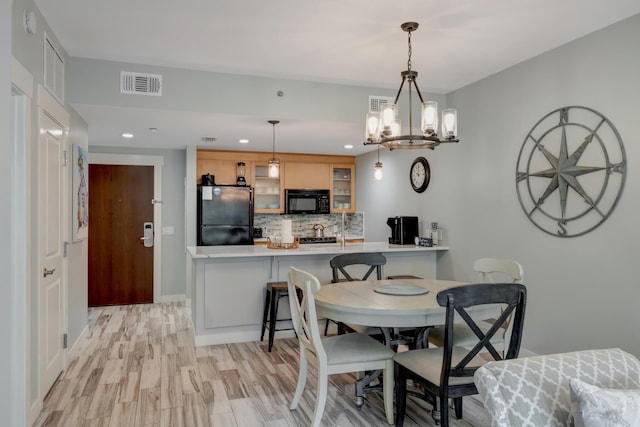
{"x": 127, "y": 135}
{"x": 349, "y": 146}
{"x": 243, "y": 141}
{"x": 153, "y": 129}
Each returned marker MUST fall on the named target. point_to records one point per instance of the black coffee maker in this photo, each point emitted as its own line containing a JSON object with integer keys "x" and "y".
{"x": 404, "y": 230}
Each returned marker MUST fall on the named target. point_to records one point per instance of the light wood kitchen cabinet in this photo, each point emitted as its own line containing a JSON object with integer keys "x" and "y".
{"x": 224, "y": 170}
{"x": 268, "y": 193}
{"x": 297, "y": 171}
{"x": 343, "y": 188}
{"x": 307, "y": 175}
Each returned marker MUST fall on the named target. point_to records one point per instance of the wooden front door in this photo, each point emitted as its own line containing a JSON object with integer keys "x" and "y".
{"x": 120, "y": 265}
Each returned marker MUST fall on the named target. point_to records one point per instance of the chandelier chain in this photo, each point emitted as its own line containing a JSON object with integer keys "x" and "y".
{"x": 409, "y": 60}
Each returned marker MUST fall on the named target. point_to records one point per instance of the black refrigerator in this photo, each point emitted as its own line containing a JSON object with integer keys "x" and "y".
{"x": 225, "y": 215}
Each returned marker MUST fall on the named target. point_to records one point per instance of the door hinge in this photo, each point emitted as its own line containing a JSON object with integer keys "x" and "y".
{"x": 65, "y": 250}
{"x": 64, "y": 158}
{"x": 64, "y": 341}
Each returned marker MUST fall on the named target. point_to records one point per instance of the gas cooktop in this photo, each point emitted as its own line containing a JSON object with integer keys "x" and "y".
{"x": 304, "y": 240}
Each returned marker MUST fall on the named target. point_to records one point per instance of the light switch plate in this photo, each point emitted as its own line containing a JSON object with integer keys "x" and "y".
{"x": 167, "y": 231}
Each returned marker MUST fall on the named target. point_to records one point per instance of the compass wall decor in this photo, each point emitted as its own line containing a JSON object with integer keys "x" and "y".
{"x": 571, "y": 171}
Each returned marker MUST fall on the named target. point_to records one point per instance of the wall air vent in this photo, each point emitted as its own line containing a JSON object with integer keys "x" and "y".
{"x": 140, "y": 83}
{"x": 208, "y": 139}
{"x": 375, "y": 102}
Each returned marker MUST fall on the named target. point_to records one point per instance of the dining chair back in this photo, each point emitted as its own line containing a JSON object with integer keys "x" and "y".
{"x": 373, "y": 260}
{"x": 491, "y": 270}
{"x": 332, "y": 355}
{"x": 341, "y": 266}
{"x": 494, "y": 270}
{"x": 447, "y": 372}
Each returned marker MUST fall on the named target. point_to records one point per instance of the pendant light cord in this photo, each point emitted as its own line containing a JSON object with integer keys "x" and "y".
{"x": 273, "y": 151}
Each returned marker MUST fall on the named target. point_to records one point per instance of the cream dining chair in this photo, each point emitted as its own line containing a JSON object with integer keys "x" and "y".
{"x": 332, "y": 355}
{"x": 492, "y": 270}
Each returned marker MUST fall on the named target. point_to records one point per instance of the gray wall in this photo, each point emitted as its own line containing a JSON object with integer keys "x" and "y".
{"x": 173, "y": 207}
{"x": 28, "y": 50}
{"x": 189, "y": 90}
{"x": 583, "y": 291}
{"x": 12, "y": 408}
{"x": 78, "y": 252}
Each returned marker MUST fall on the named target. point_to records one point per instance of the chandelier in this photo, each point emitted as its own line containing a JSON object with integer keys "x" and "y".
{"x": 383, "y": 128}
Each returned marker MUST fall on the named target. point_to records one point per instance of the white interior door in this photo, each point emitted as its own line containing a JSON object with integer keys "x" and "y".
{"x": 50, "y": 243}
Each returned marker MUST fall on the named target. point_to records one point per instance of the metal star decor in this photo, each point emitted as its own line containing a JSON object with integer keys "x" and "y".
{"x": 577, "y": 153}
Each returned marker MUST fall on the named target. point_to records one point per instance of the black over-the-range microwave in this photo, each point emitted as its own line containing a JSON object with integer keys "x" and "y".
{"x": 306, "y": 201}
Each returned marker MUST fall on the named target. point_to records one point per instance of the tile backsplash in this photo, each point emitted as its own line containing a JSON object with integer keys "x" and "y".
{"x": 302, "y": 225}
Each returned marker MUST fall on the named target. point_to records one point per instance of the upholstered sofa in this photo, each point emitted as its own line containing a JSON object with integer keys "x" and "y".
{"x": 567, "y": 389}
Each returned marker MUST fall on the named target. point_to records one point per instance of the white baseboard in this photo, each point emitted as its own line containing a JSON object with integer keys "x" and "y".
{"x": 526, "y": 353}
{"x": 236, "y": 337}
{"x": 172, "y": 298}
{"x": 249, "y": 335}
{"x": 34, "y": 411}
{"x": 74, "y": 347}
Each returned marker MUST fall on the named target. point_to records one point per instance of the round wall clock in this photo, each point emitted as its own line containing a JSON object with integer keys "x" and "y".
{"x": 420, "y": 174}
{"x": 571, "y": 171}
{"x": 29, "y": 21}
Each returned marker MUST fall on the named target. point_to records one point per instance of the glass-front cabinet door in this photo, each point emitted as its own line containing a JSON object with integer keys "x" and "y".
{"x": 268, "y": 194}
{"x": 343, "y": 188}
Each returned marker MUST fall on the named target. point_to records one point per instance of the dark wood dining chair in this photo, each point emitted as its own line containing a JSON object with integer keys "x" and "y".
{"x": 491, "y": 270}
{"x": 447, "y": 372}
{"x": 343, "y": 267}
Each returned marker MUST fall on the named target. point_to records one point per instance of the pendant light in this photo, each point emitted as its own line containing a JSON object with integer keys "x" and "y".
{"x": 274, "y": 164}
{"x": 377, "y": 170}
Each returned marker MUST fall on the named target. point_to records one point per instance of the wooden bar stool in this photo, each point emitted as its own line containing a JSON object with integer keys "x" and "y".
{"x": 275, "y": 291}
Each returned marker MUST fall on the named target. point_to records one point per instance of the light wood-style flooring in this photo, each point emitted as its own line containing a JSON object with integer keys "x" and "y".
{"x": 138, "y": 366}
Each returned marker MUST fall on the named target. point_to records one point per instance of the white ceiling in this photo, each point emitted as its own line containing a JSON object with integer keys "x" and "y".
{"x": 343, "y": 41}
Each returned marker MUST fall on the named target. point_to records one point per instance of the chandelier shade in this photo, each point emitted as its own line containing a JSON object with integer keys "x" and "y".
{"x": 384, "y": 128}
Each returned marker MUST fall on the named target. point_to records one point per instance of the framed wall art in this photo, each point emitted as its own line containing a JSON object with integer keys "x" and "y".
{"x": 80, "y": 190}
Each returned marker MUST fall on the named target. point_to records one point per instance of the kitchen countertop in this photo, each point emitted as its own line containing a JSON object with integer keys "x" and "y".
{"x": 199, "y": 252}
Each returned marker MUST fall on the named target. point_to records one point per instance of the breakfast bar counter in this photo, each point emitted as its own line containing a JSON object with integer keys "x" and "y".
{"x": 228, "y": 282}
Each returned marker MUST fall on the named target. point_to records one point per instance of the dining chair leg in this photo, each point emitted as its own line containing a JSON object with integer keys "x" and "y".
{"x": 457, "y": 405}
{"x": 326, "y": 327}
{"x": 302, "y": 380}
{"x": 401, "y": 395}
{"x": 321, "y": 398}
{"x": 387, "y": 390}
{"x": 441, "y": 410}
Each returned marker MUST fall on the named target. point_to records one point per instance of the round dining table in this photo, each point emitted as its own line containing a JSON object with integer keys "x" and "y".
{"x": 394, "y": 303}
{"x": 389, "y": 305}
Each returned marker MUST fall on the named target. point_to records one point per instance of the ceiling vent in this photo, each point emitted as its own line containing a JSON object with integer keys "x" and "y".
{"x": 140, "y": 83}
{"x": 375, "y": 102}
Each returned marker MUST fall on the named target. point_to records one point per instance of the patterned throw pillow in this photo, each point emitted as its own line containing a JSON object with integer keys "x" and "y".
{"x": 601, "y": 407}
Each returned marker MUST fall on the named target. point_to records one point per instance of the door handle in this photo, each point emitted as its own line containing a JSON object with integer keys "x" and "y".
{"x": 148, "y": 234}
{"x": 48, "y": 272}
